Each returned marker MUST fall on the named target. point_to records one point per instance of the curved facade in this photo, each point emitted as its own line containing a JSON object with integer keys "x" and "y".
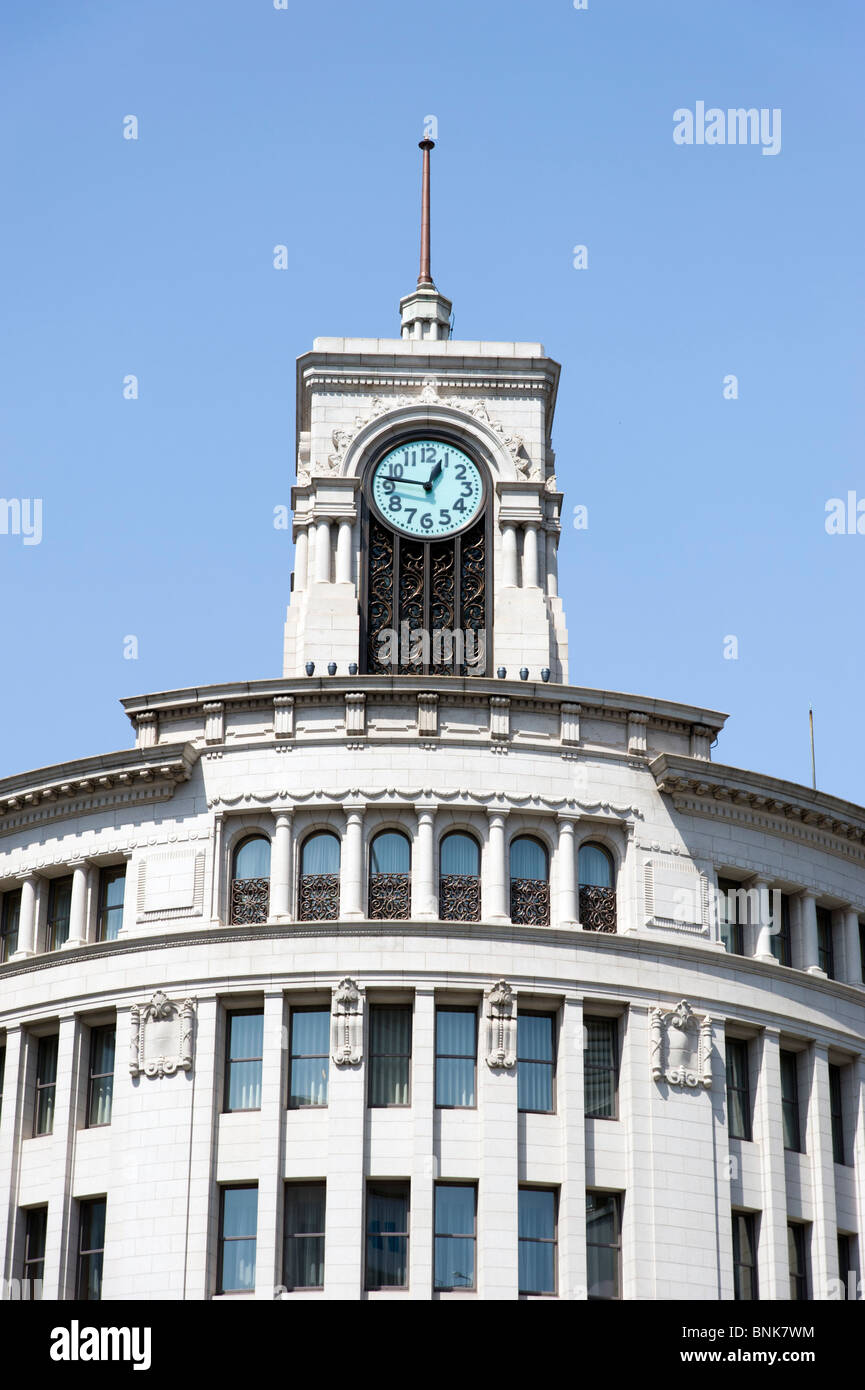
{"x": 428, "y": 982}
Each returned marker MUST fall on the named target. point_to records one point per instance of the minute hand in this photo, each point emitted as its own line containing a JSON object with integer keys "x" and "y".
{"x": 392, "y": 478}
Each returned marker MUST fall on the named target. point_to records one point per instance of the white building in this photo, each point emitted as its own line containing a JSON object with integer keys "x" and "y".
{"x": 419, "y": 976}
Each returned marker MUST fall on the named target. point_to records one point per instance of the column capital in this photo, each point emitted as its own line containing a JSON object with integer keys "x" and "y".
{"x": 497, "y": 813}
{"x": 284, "y": 817}
{"x": 425, "y": 811}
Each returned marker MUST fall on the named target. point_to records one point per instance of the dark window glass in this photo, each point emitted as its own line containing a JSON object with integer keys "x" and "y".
{"x": 738, "y": 1090}
{"x": 790, "y": 1101}
{"x": 535, "y": 1062}
{"x": 732, "y": 913}
{"x": 34, "y": 1251}
{"x": 310, "y": 1057}
{"x": 318, "y": 890}
{"x": 796, "y": 1256}
{"x": 456, "y": 1050}
{"x": 238, "y": 1228}
{"x": 91, "y": 1249}
{"x": 59, "y": 908}
{"x": 848, "y": 1265}
{"x": 825, "y": 942}
{"x": 781, "y": 948}
{"x": 303, "y": 1252}
{"x": 112, "y": 887}
{"x": 390, "y": 877}
{"x": 387, "y": 1216}
{"x": 459, "y": 878}
{"x": 389, "y": 1054}
{"x": 603, "y": 1244}
{"x": 46, "y": 1085}
{"x": 250, "y": 886}
{"x": 10, "y": 916}
{"x": 600, "y": 1067}
{"x": 744, "y": 1256}
{"x": 837, "y": 1108}
{"x": 455, "y": 1236}
{"x": 536, "y": 1220}
{"x": 243, "y": 1060}
{"x": 101, "y": 1088}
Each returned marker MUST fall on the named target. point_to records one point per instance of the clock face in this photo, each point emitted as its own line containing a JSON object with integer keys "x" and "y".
{"x": 428, "y": 489}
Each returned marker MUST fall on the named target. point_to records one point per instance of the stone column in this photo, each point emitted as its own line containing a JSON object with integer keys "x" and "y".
{"x": 566, "y": 873}
{"x": 530, "y": 556}
{"x": 498, "y": 1155}
{"x": 216, "y": 868}
{"x": 351, "y": 876}
{"x": 852, "y": 954}
{"x": 61, "y": 1260}
{"x": 78, "y": 907}
{"x": 280, "y": 868}
{"x": 301, "y": 560}
{"x": 271, "y": 1143}
{"x": 424, "y": 1161}
{"x": 808, "y": 927}
{"x": 761, "y": 944}
{"x": 27, "y": 919}
{"x": 552, "y": 564}
{"x": 818, "y": 1146}
{"x": 509, "y": 555}
{"x": 322, "y": 551}
{"x": 495, "y": 885}
{"x": 772, "y": 1256}
{"x": 570, "y": 1102}
{"x": 542, "y": 558}
{"x": 343, "y": 552}
{"x": 423, "y": 895}
{"x": 11, "y": 1137}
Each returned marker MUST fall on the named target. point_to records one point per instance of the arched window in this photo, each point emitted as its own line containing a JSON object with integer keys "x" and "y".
{"x": 459, "y": 878}
{"x": 390, "y": 877}
{"x": 250, "y": 880}
{"x": 597, "y": 889}
{"x": 318, "y": 890}
{"x": 530, "y": 882}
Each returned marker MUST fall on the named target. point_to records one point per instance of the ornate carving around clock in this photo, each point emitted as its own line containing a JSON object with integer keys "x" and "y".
{"x": 681, "y": 1046}
{"x": 346, "y": 1018}
{"x": 500, "y": 1008}
{"x": 161, "y": 1036}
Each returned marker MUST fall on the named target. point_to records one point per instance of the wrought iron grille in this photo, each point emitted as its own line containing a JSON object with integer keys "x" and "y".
{"x": 389, "y": 897}
{"x": 597, "y": 908}
{"x": 460, "y": 898}
{"x": 530, "y": 902}
{"x": 380, "y": 598}
{"x": 250, "y": 898}
{"x": 318, "y": 898}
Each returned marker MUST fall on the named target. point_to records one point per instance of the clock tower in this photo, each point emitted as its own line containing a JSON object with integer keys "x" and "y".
{"x": 426, "y": 510}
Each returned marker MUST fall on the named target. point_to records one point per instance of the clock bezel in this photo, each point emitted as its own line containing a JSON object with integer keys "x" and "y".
{"x": 433, "y": 436}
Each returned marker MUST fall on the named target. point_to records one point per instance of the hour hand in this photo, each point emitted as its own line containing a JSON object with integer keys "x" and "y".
{"x": 432, "y": 477}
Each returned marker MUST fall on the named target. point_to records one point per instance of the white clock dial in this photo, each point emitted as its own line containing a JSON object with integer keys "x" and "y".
{"x": 427, "y": 489}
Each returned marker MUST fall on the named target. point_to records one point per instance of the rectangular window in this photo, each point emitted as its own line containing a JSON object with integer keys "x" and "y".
{"x": 46, "y": 1085}
{"x": 243, "y": 1060}
{"x": 781, "y": 947}
{"x": 744, "y": 1256}
{"x": 59, "y": 907}
{"x": 730, "y": 916}
{"x": 310, "y": 1057}
{"x": 790, "y": 1101}
{"x": 387, "y": 1217}
{"x": 797, "y": 1261}
{"x": 535, "y": 1062}
{"x": 112, "y": 886}
{"x": 456, "y": 1051}
{"x": 536, "y": 1221}
{"x": 601, "y": 1067}
{"x": 836, "y": 1104}
{"x": 91, "y": 1249}
{"x": 825, "y": 942}
{"x": 238, "y": 1229}
{"x": 389, "y": 1054}
{"x": 101, "y": 1087}
{"x": 738, "y": 1090}
{"x": 455, "y": 1208}
{"x": 848, "y": 1265}
{"x": 34, "y": 1251}
{"x": 604, "y": 1244}
{"x": 10, "y": 916}
{"x": 303, "y": 1246}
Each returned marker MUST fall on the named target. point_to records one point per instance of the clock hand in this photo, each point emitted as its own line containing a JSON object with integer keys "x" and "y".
{"x": 392, "y": 478}
{"x": 432, "y": 477}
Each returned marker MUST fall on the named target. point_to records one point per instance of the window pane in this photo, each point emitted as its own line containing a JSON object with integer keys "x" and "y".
{"x": 455, "y": 1081}
{"x": 252, "y": 859}
{"x": 320, "y": 854}
{"x": 244, "y": 1086}
{"x": 59, "y": 906}
{"x": 387, "y": 1239}
{"x": 390, "y": 854}
{"x": 603, "y": 1266}
{"x": 537, "y": 1269}
{"x": 460, "y": 855}
{"x": 101, "y": 1076}
{"x": 535, "y": 1086}
{"x": 239, "y": 1221}
{"x": 454, "y": 1210}
{"x": 537, "y": 1214}
{"x": 595, "y": 867}
{"x": 238, "y": 1266}
{"x": 390, "y": 1035}
{"x": 454, "y": 1263}
{"x": 245, "y": 1042}
{"x": 93, "y": 1225}
{"x": 103, "y": 1050}
{"x": 310, "y": 1032}
{"x": 308, "y": 1081}
{"x": 455, "y": 1033}
{"x": 304, "y": 1236}
{"x": 528, "y": 859}
{"x": 535, "y": 1037}
{"x": 601, "y": 1220}
{"x": 389, "y": 1079}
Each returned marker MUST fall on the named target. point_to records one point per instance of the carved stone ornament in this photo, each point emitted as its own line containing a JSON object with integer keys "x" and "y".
{"x": 161, "y": 1036}
{"x": 346, "y": 1031}
{"x": 681, "y": 1046}
{"x": 501, "y": 1016}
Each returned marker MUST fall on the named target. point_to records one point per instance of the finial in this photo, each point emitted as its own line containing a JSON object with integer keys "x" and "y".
{"x": 424, "y": 279}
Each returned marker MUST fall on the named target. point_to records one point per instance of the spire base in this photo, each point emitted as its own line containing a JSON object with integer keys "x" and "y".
{"x": 425, "y": 314}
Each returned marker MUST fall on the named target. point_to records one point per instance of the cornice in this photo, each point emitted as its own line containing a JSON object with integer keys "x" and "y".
{"x": 448, "y": 796}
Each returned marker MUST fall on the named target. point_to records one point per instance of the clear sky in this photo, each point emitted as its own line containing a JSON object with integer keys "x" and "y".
{"x": 299, "y": 126}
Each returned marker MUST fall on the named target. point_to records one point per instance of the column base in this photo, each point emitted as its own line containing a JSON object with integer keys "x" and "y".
{"x": 815, "y": 970}
{"x": 72, "y": 943}
{"x": 22, "y": 955}
{"x": 769, "y": 959}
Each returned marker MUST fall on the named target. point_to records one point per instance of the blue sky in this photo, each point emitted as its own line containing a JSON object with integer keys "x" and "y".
{"x": 300, "y": 126}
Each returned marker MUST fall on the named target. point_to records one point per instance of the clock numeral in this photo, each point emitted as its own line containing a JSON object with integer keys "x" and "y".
{"x": 397, "y": 470}
{"x": 387, "y": 485}
{"x": 426, "y": 521}
{"x": 394, "y": 505}
{"x": 410, "y": 513}
{"x": 459, "y": 505}
{"x": 429, "y": 454}
{"x": 444, "y": 517}
{"x": 460, "y": 471}
{"x": 467, "y": 490}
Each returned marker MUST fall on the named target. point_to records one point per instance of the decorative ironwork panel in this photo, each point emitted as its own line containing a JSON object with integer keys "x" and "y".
{"x": 460, "y": 898}
{"x": 318, "y": 898}
{"x": 530, "y": 902}
{"x": 389, "y": 897}
{"x": 411, "y": 603}
{"x": 442, "y": 607}
{"x": 473, "y": 599}
{"x": 597, "y": 908}
{"x": 380, "y": 599}
{"x": 250, "y": 898}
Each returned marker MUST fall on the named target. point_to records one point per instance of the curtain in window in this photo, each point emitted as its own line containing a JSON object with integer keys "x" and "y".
{"x": 738, "y": 1117}
{"x": 304, "y": 1236}
{"x": 743, "y": 1256}
{"x": 534, "y": 1062}
{"x": 320, "y": 854}
{"x": 92, "y": 1245}
{"x": 387, "y": 1249}
{"x": 599, "y": 1063}
{"x": 595, "y": 868}
{"x": 390, "y": 1049}
{"x": 59, "y": 909}
{"x": 102, "y": 1084}
{"x": 537, "y": 1229}
{"x": 246, "y": 1035}
{"x": 239, "y": 1229}
{"x": 460, "y": 855}
{"x": 310, "y": 1048}
{"x": 602, "y": 1237}
{"x": 10, "y": 922}
{"x": 252, "y": 860}
{"x": 456, "y": 1049}
{"x": 390, "y": 854}
{"x": 46, "y": 1075}
{"x": 528, "y": 859}
{"x": 454, "y": 1240}
{"x": 113, "y": 889}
